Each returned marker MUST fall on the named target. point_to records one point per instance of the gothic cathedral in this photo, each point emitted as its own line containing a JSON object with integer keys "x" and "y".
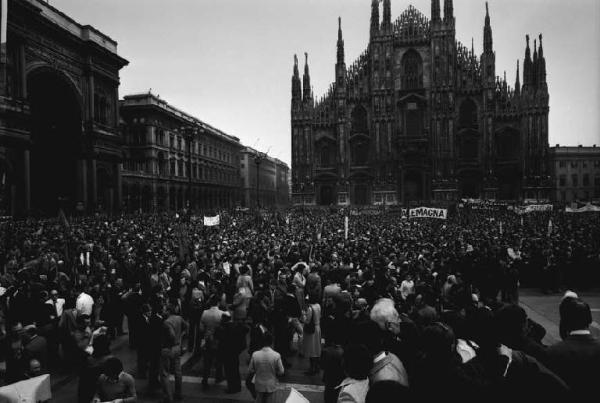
{"x": 419, "y": 118}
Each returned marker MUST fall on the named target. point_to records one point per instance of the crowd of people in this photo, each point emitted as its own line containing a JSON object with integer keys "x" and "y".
{"x": 402, "y": 308}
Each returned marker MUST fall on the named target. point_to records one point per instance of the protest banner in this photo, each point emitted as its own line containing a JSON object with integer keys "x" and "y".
{"x": 428, "y": 212}
{"x": 212, "y": 221}
{"x": 533, "y": 208}
{"x": 588, "y": 208}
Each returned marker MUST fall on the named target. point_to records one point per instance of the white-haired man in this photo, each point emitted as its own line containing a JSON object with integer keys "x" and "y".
{"x": 386, "y": 365}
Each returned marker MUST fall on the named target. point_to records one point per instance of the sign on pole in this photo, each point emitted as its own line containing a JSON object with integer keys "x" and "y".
{"x": 345, "y": 227}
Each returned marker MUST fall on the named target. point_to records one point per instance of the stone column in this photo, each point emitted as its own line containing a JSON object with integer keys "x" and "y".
{"x": 23, "y": 78}
{"x": 13, "y": 199}
{"x": 119, "y": 190}
{"x": 154, "y": 197}
{"x": 26, "y": 180}
{"x": 82, "y": 193}
{"x": 93, "y": 184}
{"x": 91, "y": 96}
{"x": 402, "y": 196}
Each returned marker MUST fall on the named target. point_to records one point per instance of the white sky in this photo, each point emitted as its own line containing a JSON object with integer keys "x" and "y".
{"x": 229, "y": 62}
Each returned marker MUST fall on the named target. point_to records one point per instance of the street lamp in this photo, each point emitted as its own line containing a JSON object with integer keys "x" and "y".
{"x": 258, "y": 159}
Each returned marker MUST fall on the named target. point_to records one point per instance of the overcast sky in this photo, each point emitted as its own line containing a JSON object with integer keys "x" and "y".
{"x": 229, "y": 62}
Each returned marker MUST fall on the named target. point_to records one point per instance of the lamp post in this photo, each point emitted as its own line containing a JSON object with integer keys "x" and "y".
{"x": 258, "y": 159}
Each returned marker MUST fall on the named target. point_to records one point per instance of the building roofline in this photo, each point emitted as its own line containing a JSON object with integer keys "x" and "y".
{"x": 149, "y": 99}
{"x": 251, "y": 150}
{"x": 83, "y": 32}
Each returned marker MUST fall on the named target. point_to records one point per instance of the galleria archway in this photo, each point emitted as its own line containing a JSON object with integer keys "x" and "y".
{"x": 55, "y": 140}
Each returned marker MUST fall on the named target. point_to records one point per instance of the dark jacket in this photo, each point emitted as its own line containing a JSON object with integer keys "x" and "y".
{"x": 577, "y": 361}
{"x": 493, "y": 378}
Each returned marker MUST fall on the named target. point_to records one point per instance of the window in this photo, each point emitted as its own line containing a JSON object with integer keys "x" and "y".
{"x": 468, "y": 114}
{"x": 586, "y": 179}
{"x": 573, "y": 164}
{"x": 562, "y": 180}
{"x": 359, "y": 120}
{"x": 172, "y": 167}
{"x": 413, "y": 70}
{"x": 172, "y": 141}
{"x": 597, "y": 164}
{"x": 574, "y": 180}
{"x": 584, "y": 164}
{"x": 413, "y": 123}
{"x": 562, "y": 164}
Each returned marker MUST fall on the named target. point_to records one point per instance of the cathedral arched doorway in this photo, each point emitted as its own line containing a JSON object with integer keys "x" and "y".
{"x": 509, "y": 183}
{"x": 413, "y": 186}
{"x": 105, "y": 190}
{"x": 326, "y": 195}
{"x": 361, "y": 194}
{"x": 469, "y": 185}
{"x": 55, "y": 136}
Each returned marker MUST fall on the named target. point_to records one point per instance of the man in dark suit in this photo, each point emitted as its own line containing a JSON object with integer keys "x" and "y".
{"x": 144, "y": 343}
{"x": 576, "y": 359}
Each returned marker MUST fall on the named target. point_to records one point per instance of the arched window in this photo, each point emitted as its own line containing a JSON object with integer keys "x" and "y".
{"x": 325, "y": 156}
{"x": 412, "y": 67}
{"x": 359, "y": 120}
{"x": 467, "y": 115}
{"x": 413, "y": 122}
{"x": 161, "y": 163}
{"x": 507, "y": 145}
{"x": 360, "y": 153}
{"x": 469, "y": 149}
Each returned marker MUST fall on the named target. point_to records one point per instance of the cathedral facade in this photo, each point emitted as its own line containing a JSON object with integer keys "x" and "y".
{"x": 419, "y": 117}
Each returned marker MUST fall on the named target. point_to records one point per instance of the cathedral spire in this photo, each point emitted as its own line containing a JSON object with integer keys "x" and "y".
{"x": 387, "y": 15}
{"x": 306, "y": 80}
{"x": 435, "y": 11}
{"x": 374, "y": 18}
{"x": 340, "y": 43}
{"x": 448, "y": 11}
{"x": 541, "y": 66}
{"x": 296, "y": 85}
{"x": 534, "y": 66}
{"x": 517, "y": 81}
{"x": 527, "y": 65}
{"x": 487, "y": 32}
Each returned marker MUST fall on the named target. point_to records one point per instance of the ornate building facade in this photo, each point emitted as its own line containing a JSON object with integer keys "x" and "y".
{"x": 59, "y": 137}
{"x": 174, "y": 160}
{"x": 420, "y": 117}
{"x": 265, "y": 180}
{"x": 576, "y": 173}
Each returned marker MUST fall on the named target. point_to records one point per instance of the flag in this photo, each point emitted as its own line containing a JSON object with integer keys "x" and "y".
{"x": 346, "y": 227}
